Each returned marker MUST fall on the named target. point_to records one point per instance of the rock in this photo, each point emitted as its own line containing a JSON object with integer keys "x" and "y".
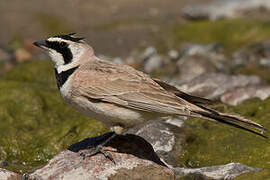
{"x": 148, "y": 52}
{"x": 224, "y": 9}
{"x": 177, "y": 121}
{"x": 201, "y": 49}
{"x": 228, "y": 171}
{"x": 197, "y": 59}
{"x": 173, "y": 54}
{"x": 164, "y": 136}
{"x": 214, "y": 52}
{"x": 192, "y": 66}
{"x": 265, "y": 62}
{"x": 153, "y": 63}
{"x": 118, "y": 60}
{"x": 22, "y": 55}
{"x": 236, "y": 96}
{"x": 257, "y": 54}
{"x": 157, "y": 134}
{"x": 150, "y": 59}
{"x": 9, "y": 175}
{"x": 134, "y": 159}
{"x": 213, "y": 85}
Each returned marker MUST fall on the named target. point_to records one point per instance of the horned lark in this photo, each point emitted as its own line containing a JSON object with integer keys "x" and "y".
{"x": 118, "y": 95}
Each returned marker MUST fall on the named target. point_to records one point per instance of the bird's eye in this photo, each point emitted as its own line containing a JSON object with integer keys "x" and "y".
{"x": 63, "y": 44}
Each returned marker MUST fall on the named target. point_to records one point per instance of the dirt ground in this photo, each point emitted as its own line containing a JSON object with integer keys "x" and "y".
{"x": 114, "y": 28}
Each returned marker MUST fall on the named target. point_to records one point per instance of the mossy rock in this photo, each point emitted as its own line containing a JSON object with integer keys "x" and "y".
{"x": 262, "y": 72}
{"x": 210, "y": 144}
{"x": 232, "y": 33}
{"x": 36, "y": 123}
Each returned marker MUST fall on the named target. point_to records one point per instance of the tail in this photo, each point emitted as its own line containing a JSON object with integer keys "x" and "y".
{"x": 233, "y": 120}
{"x": 198, "y": 110}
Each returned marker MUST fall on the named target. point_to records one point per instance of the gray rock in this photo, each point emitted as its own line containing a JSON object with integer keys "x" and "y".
{"x": 197, "y": 59}
{"x": 177, "y": 121}
{"x": 223, "y": 9}
{"x": 148, "y": 52}
{"x": 214, "y": 85}
{"x": 192, "y": 66}
{"x": 236, "y": 96}
{"x": 228, "y": 171}
{"x": 195, "y": 49}
{"x": 135, "y": 159}
{"x": 173, "y": 54}
{"x": 157, "y": 134}
{"x": 118, "y": 60}
{"x": 164, "y": 136}
{"x": 153, "y": 63}
{"x": 8, "y": 175}
{"x": 257, "y": 54}
{"x": 265, "y": 62}
{"x": 214, "y": 52}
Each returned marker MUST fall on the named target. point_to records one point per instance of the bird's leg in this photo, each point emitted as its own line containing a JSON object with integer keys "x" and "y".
{"x": 99, "y": 148}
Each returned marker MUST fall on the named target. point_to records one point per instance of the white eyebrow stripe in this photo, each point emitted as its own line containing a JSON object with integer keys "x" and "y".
{"x": 52, "y": 39}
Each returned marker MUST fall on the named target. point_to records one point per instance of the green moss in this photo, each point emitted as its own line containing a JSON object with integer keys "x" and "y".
{"x": 53, "y": 24}
{"x": 35, "y": 123}
{"x": 34, "y": 72}
{"x": 211, "y": 144}
{"x": 233, "y": 33}
{"x": 262, "y": 72}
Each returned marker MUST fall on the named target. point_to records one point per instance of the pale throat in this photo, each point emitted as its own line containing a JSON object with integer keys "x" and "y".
{"x": 61, "y": 67}
{"x": 66, "y": 67}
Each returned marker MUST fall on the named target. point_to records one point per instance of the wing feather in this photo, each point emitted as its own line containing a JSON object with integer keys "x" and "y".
{"x": 127, "y": 87}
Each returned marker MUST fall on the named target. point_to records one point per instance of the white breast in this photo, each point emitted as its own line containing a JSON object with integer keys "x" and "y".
{"x": 109, "y": 114}
{"x": 65, "y": 90}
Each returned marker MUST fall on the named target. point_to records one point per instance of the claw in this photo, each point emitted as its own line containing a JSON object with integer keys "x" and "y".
{"x": 98, "y": 149}
{"x": 108, "y": 155}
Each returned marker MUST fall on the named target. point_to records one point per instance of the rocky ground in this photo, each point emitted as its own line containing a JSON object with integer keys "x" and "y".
{"x": 226, "y": 60}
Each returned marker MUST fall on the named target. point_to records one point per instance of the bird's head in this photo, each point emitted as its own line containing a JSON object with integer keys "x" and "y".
{"x": 66, "y": 51}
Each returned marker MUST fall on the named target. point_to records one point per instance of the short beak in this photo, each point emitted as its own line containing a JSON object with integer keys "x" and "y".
{"x": 40, "y": 44}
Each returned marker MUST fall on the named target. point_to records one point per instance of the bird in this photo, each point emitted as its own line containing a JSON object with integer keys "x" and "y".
{"x": 120, "y": 96}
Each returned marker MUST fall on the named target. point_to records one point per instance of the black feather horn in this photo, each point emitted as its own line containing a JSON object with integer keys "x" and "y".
{"x": 69, "y": 37}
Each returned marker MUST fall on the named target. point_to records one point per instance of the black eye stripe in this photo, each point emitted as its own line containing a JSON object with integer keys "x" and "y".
{"x": 62, "y": 77}
{"x": 62, "y": 48}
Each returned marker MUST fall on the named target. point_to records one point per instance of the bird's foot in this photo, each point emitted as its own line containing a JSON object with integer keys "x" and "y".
{"x": 98, "y": 149}
{"x": 101, "y": 148}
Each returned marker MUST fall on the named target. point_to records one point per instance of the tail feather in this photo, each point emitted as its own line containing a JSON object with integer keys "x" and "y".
{"x": 233, "y": 120}
{"x": 198, "y": 110}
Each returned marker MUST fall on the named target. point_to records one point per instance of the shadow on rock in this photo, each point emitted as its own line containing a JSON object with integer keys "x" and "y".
{"x": 134, "y": 159}
{"x": 127, "y": 144}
